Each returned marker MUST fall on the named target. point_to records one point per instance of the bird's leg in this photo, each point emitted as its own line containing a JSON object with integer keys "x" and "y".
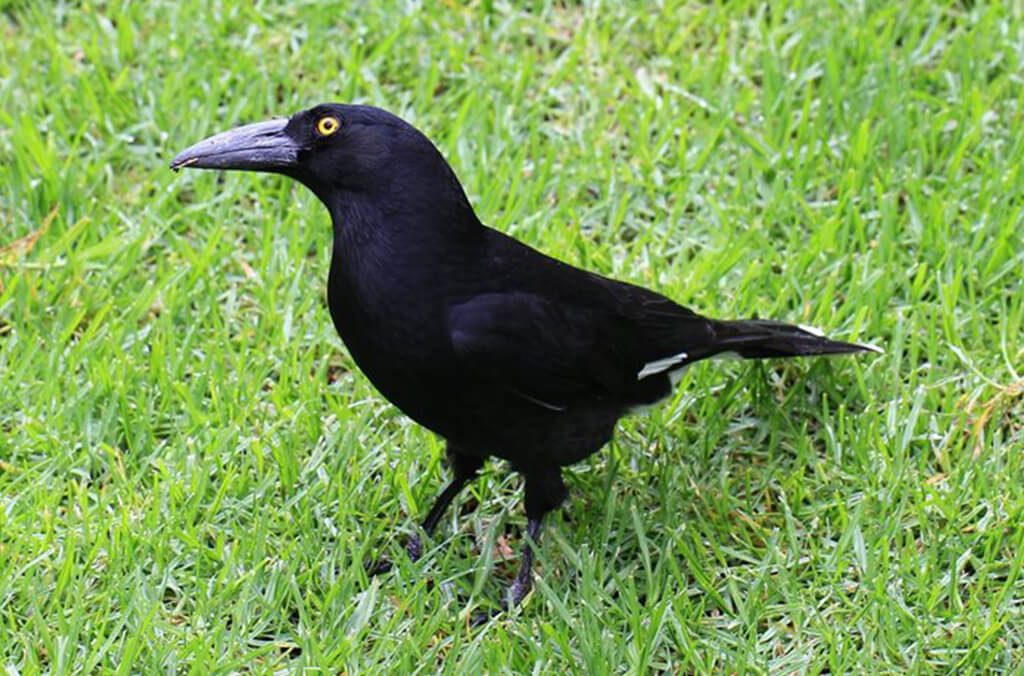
{"x": 524, "y": 578}
{"x": 415, "y": 544}
{"x": 465, "y": 468}
{"x": 545, "y": 491}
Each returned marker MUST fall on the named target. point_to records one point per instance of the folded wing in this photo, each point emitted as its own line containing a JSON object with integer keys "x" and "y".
{"x": 557, "y": 354}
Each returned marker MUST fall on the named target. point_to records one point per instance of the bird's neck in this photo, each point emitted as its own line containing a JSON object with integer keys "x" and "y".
{"x": 383, "y": 259}
{"x": 402, "y": 223}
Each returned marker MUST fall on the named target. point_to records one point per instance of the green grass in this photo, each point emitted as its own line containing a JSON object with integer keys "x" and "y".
{"x": 192, "y": 471}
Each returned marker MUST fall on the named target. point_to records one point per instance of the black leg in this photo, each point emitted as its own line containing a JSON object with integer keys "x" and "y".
{"x": 415, "y": 544}
{"x": 524, "y": 579}
{"x": 544, "y": 492}
{"x": 465, "y": 468}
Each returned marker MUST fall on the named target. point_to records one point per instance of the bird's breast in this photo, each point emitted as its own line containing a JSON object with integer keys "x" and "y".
{"x": 396, "y": 337}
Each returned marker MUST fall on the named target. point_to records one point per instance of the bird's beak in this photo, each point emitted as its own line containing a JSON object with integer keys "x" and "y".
{"x": 263, "y": 146}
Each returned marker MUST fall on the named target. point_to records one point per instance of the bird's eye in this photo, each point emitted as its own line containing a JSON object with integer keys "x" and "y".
{"x": 327, "y": 126}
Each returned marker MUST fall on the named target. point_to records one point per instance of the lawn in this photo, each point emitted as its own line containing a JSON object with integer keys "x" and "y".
{"x": 193, "y": 472}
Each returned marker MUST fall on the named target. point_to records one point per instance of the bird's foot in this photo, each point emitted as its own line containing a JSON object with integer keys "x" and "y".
{"x": 523, "y": 583}
{"x": 517, "y": 592}
{"x": 378, "y": 567}
{"x": 482, "y": 618}
{"x": 414, "y": 547}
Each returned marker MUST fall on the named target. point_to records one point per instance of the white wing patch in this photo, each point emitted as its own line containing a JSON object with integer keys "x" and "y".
{"x": 659, "y": 365}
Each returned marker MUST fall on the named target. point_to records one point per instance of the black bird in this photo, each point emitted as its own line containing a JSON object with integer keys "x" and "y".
{"x": 487, "y": 342}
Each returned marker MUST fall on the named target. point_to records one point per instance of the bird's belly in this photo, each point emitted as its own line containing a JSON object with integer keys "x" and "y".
{"x": 530, "y": 436}
{"x": 484, "y": 419}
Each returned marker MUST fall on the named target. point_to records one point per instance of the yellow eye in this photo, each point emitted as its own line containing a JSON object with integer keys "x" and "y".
{"x": 327, "y": 126}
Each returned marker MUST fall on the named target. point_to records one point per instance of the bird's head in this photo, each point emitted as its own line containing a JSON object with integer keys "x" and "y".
{"x": 343, "y": 153}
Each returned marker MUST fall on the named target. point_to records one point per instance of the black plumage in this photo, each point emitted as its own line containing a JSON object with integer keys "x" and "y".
{"x": 497, "y": 348}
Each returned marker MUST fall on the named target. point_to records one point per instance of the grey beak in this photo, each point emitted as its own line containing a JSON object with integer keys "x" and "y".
{"x": 263, "y": 146}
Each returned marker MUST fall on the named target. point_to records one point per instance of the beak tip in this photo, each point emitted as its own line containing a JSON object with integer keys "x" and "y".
{"x": 182, "y": 161}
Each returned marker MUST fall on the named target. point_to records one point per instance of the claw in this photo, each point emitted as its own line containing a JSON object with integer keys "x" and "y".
{"x": 482, "y": 618}
{"x": 378, "y": 567}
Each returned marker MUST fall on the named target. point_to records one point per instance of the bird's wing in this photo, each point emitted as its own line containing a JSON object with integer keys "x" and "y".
{"x": 555, "y": 353}
{"x": 546, "y": 352}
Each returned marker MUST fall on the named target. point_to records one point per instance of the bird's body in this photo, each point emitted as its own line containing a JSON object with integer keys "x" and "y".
{"x": 510, "y": 351}
{"x": 496, "y": 347}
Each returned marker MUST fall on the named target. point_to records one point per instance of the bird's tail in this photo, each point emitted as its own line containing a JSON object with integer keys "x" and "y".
{"x": 763, "y": 338}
